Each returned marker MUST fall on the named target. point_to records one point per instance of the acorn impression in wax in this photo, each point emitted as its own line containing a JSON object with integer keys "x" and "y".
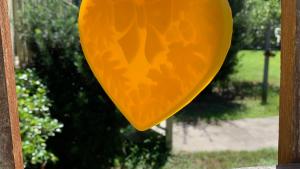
{"x": 152, "y": 57}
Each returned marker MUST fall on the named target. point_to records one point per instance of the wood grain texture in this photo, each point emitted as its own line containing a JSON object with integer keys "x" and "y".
{"x": 288, "y": 166}
{"x": 289, "y": 141}
{"x": 10, "y": 141}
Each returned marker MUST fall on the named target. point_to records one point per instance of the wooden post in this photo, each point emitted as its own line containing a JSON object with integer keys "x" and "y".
{"x": 10, "y": 142}
{"x": 289, "y": 123}
{"x": 266, "y": 64}
{"x": 169, "y": 134}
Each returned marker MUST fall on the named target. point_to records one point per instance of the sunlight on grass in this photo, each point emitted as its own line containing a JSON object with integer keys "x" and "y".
{"x": 250, "y": 68}
{"x": 245, "y": 90}
{"x": 251, "y": 65}
{"x": 254, "y": 108}
{"x": 222, "y": 160}
{"x": 238, "y": 109}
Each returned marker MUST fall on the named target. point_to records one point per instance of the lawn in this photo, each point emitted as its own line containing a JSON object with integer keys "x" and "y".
{"x": 222, "y": 160}
{"x": 250, "y": 70}
{"x": 243, "y": 96}
{"x": 251, "y": 64}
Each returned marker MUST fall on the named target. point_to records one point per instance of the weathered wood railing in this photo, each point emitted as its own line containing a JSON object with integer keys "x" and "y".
{"x": 10, "y": 142}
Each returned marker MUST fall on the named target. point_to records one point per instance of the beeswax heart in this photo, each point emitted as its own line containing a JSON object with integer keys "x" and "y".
{"x": 152, "y": 57}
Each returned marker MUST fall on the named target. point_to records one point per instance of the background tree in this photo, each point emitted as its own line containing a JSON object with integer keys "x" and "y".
{"x": 239, "y": 29}
{"x": 259, "y": 14}
{"x": 250, "y": 22}
{"x": 264, "y": 18}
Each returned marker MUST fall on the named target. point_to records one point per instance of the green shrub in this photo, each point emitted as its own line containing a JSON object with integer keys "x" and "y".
{"x": 142, "y": 150}
{"x": 36, "y": 124}
{"x": 91, "y": 138}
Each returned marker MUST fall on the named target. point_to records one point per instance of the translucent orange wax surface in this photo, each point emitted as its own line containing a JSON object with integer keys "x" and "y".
{"x": 152, "y": 57}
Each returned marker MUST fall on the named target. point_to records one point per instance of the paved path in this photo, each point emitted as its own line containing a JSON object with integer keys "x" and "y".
{"x": 245, "y": 134}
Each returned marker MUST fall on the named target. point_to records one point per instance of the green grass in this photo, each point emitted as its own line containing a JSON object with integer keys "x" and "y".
{"x": 250, "y": 69}
{"x": 217, "y": 110}
{"x": 222, "y": 160}
{"x": 244, "y": 93}
{"x": 251, "y": 64}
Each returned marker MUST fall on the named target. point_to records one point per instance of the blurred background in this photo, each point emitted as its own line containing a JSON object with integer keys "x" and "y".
{"x": 68, "y": 122}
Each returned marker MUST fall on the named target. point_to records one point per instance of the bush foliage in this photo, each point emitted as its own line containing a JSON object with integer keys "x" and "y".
{"x": 36, "y": 123}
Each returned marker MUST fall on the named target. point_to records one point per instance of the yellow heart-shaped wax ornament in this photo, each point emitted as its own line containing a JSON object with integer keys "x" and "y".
{"x": 152, "y": 57}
